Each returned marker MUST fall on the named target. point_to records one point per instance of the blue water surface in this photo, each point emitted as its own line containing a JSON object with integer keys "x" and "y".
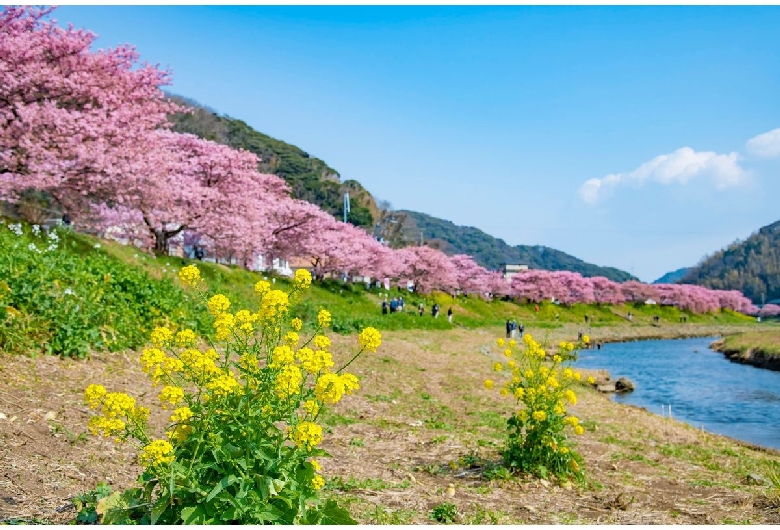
{"x": 702, "y": 386}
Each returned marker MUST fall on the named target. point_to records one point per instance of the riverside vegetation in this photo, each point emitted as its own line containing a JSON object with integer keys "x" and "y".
{"x": 453, "y": 460}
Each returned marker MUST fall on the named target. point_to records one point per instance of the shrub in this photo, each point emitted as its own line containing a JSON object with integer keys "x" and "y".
{"x": 243, "y": 439}
{"x": 445, "y": 512}
{"x": 537, "y": 442}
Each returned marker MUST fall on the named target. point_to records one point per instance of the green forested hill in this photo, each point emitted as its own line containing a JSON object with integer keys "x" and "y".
{"x": 491, "y": 252}
{"x": 751, "y": 266}
{"x": 672, "y": 277}
{"x": 310, "y": 178}
{"x": 314, "y": 181}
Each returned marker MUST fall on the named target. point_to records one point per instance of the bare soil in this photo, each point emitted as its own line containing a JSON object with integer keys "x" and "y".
{"x": 421, "y": 432}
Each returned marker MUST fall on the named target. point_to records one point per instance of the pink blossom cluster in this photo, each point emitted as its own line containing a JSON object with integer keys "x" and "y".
{"x": 90, "y": 128}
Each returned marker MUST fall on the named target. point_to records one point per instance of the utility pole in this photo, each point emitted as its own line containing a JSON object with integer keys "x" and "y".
{"x": 421, "y": 237}
{"x": 346, "y": 205}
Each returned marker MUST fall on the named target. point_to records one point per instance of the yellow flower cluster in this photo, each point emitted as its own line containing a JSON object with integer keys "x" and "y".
{"x": 224, "y": 385}
{"x": 307, "y": 434}
{"x": 189, "y": 275}
{"x": 117, "y": 410}
{"x": 156, "y": 453}
{"x": 275, "y": 304}
{"x": 324, "y": 318}
{"x": 322, "y": 342}
{"x": 302, "y": 278}
{"x": 171, "y": 395}
{"x": 370, "y": 339}
{"x": 489, "y": 383}
{"x": 288, "y": 381}
{"x": 158, "y": 365}
{"x": 311, "y": 407}
{"x": 218, "y": 303}
{"x": 262, "y": 287}
{"x": 181, "y": 414}
{"x": 281, "y": 356}
{"x": 185, "y": 337}
{"x": 296, "y": 324}
{"x": 314, "y": 361}
{"x": 161, "y": 336}
{"x": 199, "y": 366}
{"x": 330, "y": 388}
{"x": 317, "y": 482}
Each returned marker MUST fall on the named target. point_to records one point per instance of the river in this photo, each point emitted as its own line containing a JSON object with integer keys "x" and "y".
{"x": 703, "y": 388}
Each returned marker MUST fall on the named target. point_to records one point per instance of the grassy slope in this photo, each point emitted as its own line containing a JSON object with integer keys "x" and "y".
{"x": 354, "y": 308}
{"x": 765, "y": 341}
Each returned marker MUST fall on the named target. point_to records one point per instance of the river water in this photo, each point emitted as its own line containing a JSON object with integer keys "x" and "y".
{"x": 703, "y": 388}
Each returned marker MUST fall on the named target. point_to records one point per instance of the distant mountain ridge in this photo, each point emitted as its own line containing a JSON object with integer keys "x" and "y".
{"x": 312, "y": 180}
{"x": 751, "y": 266}
{"x": 673, "y": 277}
{"x": 491, "y": 252}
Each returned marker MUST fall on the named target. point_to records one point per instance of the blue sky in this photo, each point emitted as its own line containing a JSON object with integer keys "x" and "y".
{"x": 626, "y": 136}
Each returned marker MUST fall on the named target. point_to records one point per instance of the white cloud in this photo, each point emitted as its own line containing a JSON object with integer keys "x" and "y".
{"x": 765, "y": 145}
{"x": 678, "y": 167}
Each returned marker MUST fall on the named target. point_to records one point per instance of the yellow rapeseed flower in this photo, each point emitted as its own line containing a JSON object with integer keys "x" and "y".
{"x": 161, "y": 336}
{"x": 156, "y": 453}
{"x": 224, "y": 385}
{"x": 189, "y": 275}
{"x": 94, "y": 394}
{"x": 262, "y": 287}
{"x": 585, "y": 339}
{"x": 315, "y": 465}
{"x": 498, "y": 367}
{"x": 489, "y": 384}
{"x": 539, "y": 415}
{"x": 171, "y": 394}
{"x": 288, "y": 381}
{"x": 281, "y": 356}
{"x": 578, "y": 429}
{"x": 292, "y": 338}
{"x": 324, "y": 318}
{"x": 369, "y": 339}
{"x": 329, "y": 388}
{"x": 185, "y": 337}
{"x": 311, "y": 407}
{"x": 296, "y": 324}
{"x": 322, "y": 342}
{"x": 218, "y": 303}
{"x": 181, "y": 414}
{"x": 591, "y": 380}
{"x": 317, "y": 482}
{"x": 307, "y": 434}
{"x": 500, "y": 342}
{"x": 507, "y": 352}
{"x": 302, "y": 278}
{"x": 350, "y": 382}
{"x": 570, "y": 396}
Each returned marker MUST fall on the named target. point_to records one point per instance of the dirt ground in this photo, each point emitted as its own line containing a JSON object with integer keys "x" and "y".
{"x": 421, "y": 432}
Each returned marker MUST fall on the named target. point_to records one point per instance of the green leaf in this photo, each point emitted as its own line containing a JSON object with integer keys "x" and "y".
{"x": 193, "y": 515}
{"x": 224, "y": 483}
{"x": 158, "y": 509}
{"x": 332, "y": 513}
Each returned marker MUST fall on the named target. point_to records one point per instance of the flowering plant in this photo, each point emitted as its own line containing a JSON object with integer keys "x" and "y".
{"x": 537, "y": 442}
{"x": 243, "y": 436}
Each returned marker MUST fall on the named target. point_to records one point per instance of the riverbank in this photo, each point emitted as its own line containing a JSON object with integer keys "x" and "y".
{"x": 757, "y": 348}
{"x": 421, "y": 432}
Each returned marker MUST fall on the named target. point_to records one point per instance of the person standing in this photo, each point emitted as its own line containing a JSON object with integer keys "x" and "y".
{"x": 449, "y": 315}
{"x": 393, "y": 305}
{"x": 384, "y": 307}
{"x": 435, "y": 311}
{"x": 421, "y": 308}
{"x": 508, "y": 328}
{"x": 522, "y": 329}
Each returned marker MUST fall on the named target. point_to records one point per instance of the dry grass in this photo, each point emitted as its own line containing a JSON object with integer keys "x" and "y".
{"x": 421, "y": 422}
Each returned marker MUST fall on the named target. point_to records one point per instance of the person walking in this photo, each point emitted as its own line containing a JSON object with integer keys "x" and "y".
{"x": 449, "y": 315}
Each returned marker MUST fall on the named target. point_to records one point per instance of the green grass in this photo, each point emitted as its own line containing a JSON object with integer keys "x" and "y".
{"x": 352, "y": 306}
{"x": 767, "y": 342}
